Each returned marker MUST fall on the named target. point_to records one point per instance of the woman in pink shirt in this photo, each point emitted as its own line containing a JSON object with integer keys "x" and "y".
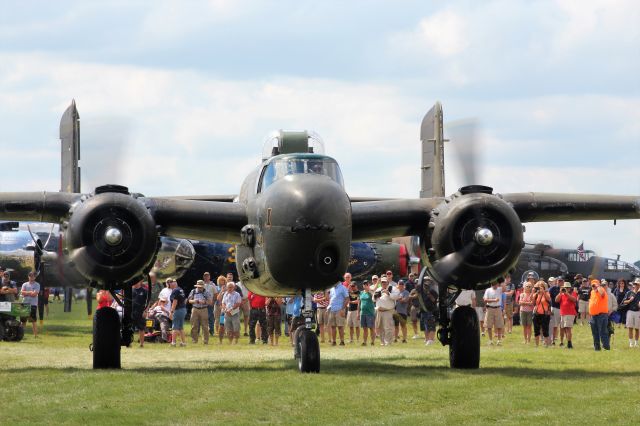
{"x": 526, "y": 311}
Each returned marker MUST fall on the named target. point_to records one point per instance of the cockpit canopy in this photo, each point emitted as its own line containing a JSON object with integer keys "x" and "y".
{"x": 291, "y": 164}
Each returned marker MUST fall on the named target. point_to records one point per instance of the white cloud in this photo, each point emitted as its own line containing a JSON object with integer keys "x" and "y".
{"x": 444, "y": 32}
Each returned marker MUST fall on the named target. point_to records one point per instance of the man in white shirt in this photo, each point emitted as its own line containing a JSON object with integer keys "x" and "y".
{"x": 493, "y": 317}
{"x": 166, "y": 293}
{"x": 29, "y": 293}
{"x": 466, "y": 298}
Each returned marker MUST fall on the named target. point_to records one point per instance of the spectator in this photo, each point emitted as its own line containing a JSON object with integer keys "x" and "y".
{"x": 541, "y": 312}
{"x": 154, "y": 286}
{"x": 274, "y": 319}
{"x": 385, "y": 307}
{"x": 554, "y": 319}
{"x": 367, "y": 313}
{"x": 375, "y": 283}
{"x": 392, "y": 283}
{"x": 599, "y": 312}
{"x": 166, "y": 293}
{"x": 400, "y": 316}
{"x": 321, "y": 300}
{"x": 613, "y": 303}
{"x": 221, "y": 287}
{"x": 161, "y": 313}
{"x": 466, "y": 298}
{"x": 619, "y": 292}
{"x": 139, "y": 304}
{"x": 427, "y": 298}
{"x": 104, "y": 299}
{"x": 494, "y": 318}
{"x": 347, "y": 280}
{"x": 338, "y": 300}
{"x": 631, "y": 303}
{"x": 297, "y": 320}
{"x": 258, "y": 314}
{"x": 244, "y": 306}
{"x": 414, "y": 308}
{"x": 567, "y": 300}
{"x": 526, "y": 303}
{"x": 480, "y": 309}
{"x": 200, "y": 300}
{"x": 178, "y": 312}
{"x": 353, "y": 312}
{"x": 211, "y": 288}
{"x": 9, "y": 288}
{"x": 56, "y": 294}
{"x": 29, "y": 293}
{"x": 584, "y": 294}
{"x": 508, "y": 291}
{"x": 231, "y": 302}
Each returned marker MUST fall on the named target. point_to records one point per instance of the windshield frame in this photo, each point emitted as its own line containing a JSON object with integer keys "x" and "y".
{"x": 331, "y": 169}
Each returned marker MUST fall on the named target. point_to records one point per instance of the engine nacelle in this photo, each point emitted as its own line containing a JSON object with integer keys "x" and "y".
{"x": 111, "y": 237}
{"x": 472, "y": 238}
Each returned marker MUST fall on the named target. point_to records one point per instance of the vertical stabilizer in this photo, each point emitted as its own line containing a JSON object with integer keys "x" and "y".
{"x": 70, "y": 141}
{"x": 432, "y": 169}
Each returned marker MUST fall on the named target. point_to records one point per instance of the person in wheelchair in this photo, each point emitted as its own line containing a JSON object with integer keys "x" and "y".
{"x": 160, "y": 316}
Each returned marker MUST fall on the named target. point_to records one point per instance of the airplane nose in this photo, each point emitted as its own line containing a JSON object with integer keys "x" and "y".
{"x": 306, "y": 228}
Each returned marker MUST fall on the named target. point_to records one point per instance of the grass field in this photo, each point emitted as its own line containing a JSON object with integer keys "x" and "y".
{"x": 49, "y": 380}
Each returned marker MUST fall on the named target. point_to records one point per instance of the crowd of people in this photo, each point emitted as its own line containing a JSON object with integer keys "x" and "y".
{"x": 378, "y": 309}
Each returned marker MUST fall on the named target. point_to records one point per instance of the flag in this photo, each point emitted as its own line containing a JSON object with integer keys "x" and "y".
{"x": 581, "y": 255}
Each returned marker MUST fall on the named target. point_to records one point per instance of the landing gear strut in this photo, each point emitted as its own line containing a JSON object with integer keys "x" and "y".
{"x": 461, "y": 333}
{"x": 306, "y": 346}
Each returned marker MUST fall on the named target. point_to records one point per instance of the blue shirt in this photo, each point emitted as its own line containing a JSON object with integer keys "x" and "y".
{"x": 297, "y": 306}
{"x": 337, "y": 296}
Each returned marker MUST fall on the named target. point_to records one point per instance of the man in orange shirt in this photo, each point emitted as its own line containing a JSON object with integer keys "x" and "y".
{"x": 599, "y": 311}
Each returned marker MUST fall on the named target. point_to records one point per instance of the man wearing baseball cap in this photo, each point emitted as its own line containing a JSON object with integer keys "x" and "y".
{"x": 632, "y": 302}
{"x": 599, "y": 311}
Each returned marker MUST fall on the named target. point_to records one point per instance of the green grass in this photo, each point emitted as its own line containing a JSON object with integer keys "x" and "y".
{"x": 49, "y": 380}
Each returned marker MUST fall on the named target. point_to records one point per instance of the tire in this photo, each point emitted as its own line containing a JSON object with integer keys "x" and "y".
{"x": 106, "y": 339}
{"x": 2, "y": 330}
{"x": 309, "y": 350}
{"x": 19, "y": 333}
{"x": 464, "y": 345}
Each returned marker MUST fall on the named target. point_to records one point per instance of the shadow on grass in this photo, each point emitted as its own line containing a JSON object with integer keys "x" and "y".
{"x": 383, "y": 367}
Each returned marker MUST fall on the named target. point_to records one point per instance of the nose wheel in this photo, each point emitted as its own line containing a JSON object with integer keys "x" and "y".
{"x": 306, "y": 346}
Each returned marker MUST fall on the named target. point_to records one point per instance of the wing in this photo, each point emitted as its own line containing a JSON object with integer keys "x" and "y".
{"x": 373, "y": 220}
{"x": 549, "y": 207}
{"x": 221, "y": 198}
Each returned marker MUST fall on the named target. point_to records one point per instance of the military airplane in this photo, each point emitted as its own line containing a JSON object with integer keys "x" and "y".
{"x": 293, "y": 223}
{"x": 584, "y": 262}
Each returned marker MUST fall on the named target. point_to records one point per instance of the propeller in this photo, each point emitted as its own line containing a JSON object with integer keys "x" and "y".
{"x": 465, "y": 147}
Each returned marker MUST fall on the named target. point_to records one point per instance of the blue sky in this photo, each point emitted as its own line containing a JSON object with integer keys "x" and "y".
{"x": 177, "y": 98}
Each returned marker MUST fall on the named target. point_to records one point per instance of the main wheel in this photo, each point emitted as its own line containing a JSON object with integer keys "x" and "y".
{"x": 106, "y": 339}
{"x": 308, "y": 350}
{"x": 464, "y": 345}
{"x": 19, "y": 333}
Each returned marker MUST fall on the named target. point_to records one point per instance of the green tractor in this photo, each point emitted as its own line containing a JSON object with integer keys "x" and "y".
{"x": 11, "y": 329}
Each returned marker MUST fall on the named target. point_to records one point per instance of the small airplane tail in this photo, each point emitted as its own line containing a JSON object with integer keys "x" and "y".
{"x": 70, "y": 148}
{"x": 432, "y": 166}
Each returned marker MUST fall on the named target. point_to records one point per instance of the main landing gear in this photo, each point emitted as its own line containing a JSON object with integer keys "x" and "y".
{"x": 461, "y": 332}
{"x": 306, "y": 346}
{"x": 109, "y": 333}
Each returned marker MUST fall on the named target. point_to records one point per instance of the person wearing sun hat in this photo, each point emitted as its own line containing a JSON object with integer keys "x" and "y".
{"x": 567, "y": 300}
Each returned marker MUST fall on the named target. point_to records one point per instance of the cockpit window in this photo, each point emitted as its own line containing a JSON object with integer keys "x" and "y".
{"x": 300, "y": 164}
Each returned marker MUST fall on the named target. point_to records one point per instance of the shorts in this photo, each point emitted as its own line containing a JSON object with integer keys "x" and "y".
{"x": 555, "y": 318}
{"x": 428, "y": 321}
{"x": 508, "y": 310}
{"x": 583, "y": 306}
{"x": 633, "y": 319}
{"x": 493, "y": 318}
{"x": 399, "y": 319}
{"x": 138, "y": 321}
{"x": 178, "y": 319}
{"x": 480, "y": 313}
{"x": 232, "y": 323}
{"x": 322, "y": 316}
{"x": 367, "y": 321}
{"x": 335, "y": 319}
{"x": 566, "y": 321}
{"x": 274, "y": 325}
{"x": 526, "y": 318}
{"x": 45, "y": 300}
{"x": 352, "y": 319}
{"x": 32, "y": 314}
{"x": 414, "y": 313}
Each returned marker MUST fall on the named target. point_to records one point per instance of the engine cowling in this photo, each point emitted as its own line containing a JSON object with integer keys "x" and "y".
{"x": 473, "y": 237}
{"x": 111, "y": 237}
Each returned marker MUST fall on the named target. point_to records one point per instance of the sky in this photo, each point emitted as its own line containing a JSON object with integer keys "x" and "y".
{"x": 177, "y": 98}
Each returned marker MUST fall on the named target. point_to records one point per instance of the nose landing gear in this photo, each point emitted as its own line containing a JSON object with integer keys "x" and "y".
{"x": 306, "y": 346}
